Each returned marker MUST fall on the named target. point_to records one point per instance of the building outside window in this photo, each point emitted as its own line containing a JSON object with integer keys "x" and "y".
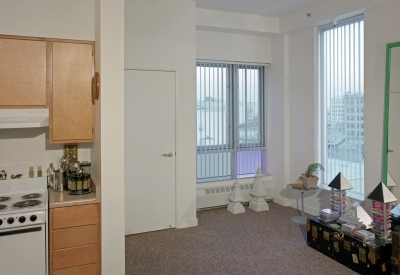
{"x": 341, "y": 87}
{"x": 230, "y": 121}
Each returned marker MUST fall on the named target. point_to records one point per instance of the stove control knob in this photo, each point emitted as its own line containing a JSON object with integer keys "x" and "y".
{"x": 33, "y": 218}
{"x": 10, "y": 220}
{"x": 22, "y": 219}
{"x": 1, "y": 222}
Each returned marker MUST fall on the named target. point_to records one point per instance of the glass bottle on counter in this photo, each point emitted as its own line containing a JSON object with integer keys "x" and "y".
{"x": 39, "y": 170}
{"x": 31, "y": 173}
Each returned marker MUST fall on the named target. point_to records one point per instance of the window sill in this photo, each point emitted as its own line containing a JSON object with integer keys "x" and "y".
{"x": 220, "y": 183}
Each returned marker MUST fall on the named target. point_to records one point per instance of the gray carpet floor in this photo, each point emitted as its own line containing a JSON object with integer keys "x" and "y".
{"x": 249, "y": 243}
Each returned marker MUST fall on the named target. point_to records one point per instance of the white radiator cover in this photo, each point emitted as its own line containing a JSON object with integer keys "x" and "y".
{"x": 213, "y": 194}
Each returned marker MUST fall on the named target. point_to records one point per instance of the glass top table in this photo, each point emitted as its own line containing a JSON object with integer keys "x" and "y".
{"x": 301, "y": 219}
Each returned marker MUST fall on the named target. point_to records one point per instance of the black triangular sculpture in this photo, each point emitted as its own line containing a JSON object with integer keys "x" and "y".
{"x": 340, "y": 182}
{"x": 382, "y": 193}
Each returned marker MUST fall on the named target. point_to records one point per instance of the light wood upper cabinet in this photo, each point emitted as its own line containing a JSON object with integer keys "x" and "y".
{"x": 22, "y": 73}
{"x": 50, "y": 73}
{"x": 72, "y": 111}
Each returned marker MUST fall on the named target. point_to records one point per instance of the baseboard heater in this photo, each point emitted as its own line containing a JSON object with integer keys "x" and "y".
{"x": 216, "y": 194}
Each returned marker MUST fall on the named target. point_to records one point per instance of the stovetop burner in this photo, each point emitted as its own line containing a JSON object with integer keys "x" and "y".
{"x": 3, "y": 207}
{"x": 32, "y": 196}
{"x": 28, "y": 203}
{"x": 5, "y": 199}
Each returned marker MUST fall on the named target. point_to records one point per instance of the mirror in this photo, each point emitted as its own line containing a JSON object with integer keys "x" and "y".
{"x": 391, "y": 145}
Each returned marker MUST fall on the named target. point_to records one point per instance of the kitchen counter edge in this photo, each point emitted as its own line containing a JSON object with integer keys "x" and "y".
{"x": 63, "y": 199}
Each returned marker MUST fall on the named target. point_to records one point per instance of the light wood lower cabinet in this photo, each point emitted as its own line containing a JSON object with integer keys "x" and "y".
{"x": 75, "y": 240}
{"x": 81, "y": 270}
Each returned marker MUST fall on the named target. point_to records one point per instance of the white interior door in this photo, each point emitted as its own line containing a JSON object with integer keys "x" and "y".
{"x": 149, "y": 150}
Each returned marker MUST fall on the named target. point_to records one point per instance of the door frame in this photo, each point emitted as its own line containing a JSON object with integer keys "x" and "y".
{"x": 175, "y": 71}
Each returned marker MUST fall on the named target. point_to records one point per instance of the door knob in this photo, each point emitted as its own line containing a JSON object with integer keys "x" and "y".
{"x": 390, "y": 151}
{"x": 168, "y": 155}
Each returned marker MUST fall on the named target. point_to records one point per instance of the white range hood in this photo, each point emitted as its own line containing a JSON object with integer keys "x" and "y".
{"x": 23, "y": 118}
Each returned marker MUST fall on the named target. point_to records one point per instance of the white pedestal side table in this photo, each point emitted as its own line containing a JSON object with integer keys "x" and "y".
{"x": 301, "y": 219}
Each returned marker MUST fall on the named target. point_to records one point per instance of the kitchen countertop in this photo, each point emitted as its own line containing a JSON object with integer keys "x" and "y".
{"x": 62, "y": 199}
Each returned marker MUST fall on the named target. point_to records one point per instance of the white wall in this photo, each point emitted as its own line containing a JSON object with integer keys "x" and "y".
{"x": 45, "y": 18}
{"x": 304, "y": 122}
{"x": 225, "y": 21}
{"x": 229, "y": 36}
{"x": 394, "y": 113}
{"x": 323, "y": 12}
{"x": 95, "y": 152}
{"x": 68, "y": 19}
{"x": 160, "y": 35}
{"x": 381, "y": 25}
{"x": 222, "y": 46}
{"x": 31, "y": 145}
{"x": 278, "y": 131}
{"x": 109, "y": 142}
{"x": 395, "y": 70}
{"x": 393, "y": 139}
{"x": 302, "y": 117}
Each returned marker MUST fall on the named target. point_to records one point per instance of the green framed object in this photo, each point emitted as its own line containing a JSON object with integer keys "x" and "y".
{"x": 389, "y": 47}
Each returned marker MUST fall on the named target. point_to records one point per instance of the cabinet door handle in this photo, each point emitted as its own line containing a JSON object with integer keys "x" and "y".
{"x": 390, "y": 151}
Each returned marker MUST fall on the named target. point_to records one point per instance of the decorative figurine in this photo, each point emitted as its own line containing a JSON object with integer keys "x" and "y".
{"x": 381, "y": 198}
{"x": 338, "y": 196}
{"x": 235, "y": 207}
{"x": 357, "y": 215}
{"x": 258, "y": 202}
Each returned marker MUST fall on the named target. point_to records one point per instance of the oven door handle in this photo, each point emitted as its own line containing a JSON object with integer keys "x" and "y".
{"x": 21, "y": 231}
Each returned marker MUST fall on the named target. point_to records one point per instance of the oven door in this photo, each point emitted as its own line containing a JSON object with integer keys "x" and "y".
{"x": 23, "y": 250}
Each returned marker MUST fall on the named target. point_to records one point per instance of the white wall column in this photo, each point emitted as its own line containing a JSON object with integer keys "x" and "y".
{"x": 278, "y": 135}
{"x": 110, "y": 64}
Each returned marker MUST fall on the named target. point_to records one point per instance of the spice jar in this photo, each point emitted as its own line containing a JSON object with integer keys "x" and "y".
{"x": 85, "y": 181}
{"x": 72, "y": 182}
{"x": 39, "y": 170}
{"x": 31, "y": 173}
{"x": 79, "y": 183}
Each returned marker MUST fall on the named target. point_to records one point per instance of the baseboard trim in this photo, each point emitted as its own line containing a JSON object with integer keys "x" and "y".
{"x": 282, "y": 201}
{"x": 187, "y": 223}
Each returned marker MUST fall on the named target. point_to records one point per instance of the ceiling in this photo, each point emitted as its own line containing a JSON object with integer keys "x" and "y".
{"x": 271, "y": 8}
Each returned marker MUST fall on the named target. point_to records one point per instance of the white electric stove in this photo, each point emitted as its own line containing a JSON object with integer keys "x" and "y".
{"x": 23, "y": 230}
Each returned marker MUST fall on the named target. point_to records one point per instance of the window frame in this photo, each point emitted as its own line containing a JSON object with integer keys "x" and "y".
{"x": 232, "y": 146}
{"x": 352, "y": 117}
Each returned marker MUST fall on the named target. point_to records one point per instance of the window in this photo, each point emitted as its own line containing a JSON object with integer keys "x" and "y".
{"x": 230, "y": 121}
{"x": 341, "y": 81}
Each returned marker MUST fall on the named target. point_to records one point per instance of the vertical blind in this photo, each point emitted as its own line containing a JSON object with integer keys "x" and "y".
{"x": 341, "y": 78}
{"x": 230, "y": 131}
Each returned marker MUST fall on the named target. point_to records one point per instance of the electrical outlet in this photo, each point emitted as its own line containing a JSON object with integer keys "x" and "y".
{"x": 71, "y": 151}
